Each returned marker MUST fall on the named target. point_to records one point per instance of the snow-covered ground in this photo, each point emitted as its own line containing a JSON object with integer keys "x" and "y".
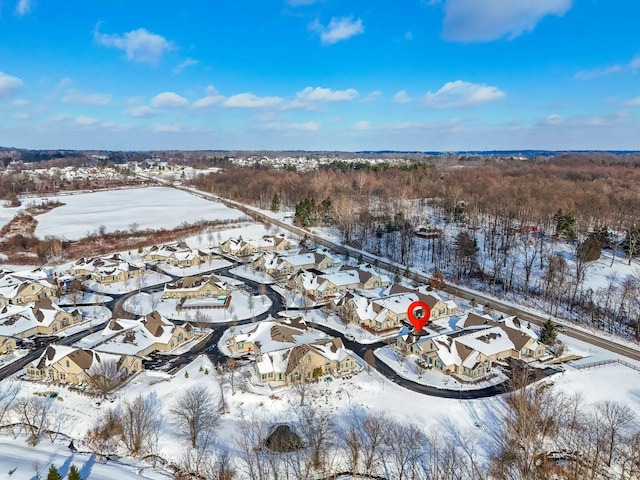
{"x": 152, "y": 207}
{"x": 252, "y": 274}
{"x": 242, "y": 306}
{"x": 26, "y": 462}
{"x": 118, "y": 288}
{"x": 85, "y": 298}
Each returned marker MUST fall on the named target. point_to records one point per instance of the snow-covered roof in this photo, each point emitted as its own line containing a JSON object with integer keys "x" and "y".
{"x": 272, "y": 335}
{"x": 132, "y": 336}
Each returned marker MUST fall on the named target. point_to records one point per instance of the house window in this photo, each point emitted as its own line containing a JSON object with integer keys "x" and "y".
{"x": 67, "y": 363}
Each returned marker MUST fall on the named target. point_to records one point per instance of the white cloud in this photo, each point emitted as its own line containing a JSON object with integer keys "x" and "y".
{"x": 249, "y": 100}
{"x": 211, "y": 98}
{"x": 87, "y": 121}
{"x": 140, "y": 111}
{"x": 338, "y": 29}
{"x": 482, "y": 21}
{"x": 20, "y": 102}
{"x": 362, "y": 125}
{"x": 305, "y": 126}
{"x": 59, "y": 117}
{"x": 23, "y": 7}
{"x": 635, "y": 102}
{"x": 139, "y": 45}
{"x": 22, "y": 116}
{"x": 462, "y": 94}
{"x": 167, "y": 127}
{"x": 169, "y": 100}
{"x": 188, "y": 62}
{"x": 633, "y": 65}
{"x": 9, "y": 84}
{"x": 371, "y": 97}
{"x": 75, "y": 97}
{"x": 326, "y": 95}
{"x": 401, "y": 97}
{"x": 553, "y": 119}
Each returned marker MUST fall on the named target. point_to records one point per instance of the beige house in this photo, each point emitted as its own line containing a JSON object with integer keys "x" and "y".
{"x": 472, "y": 351}
{"x": 305, "y": 362}
{"x": 16, "y": 289}
{"x": 270, "y": 335}
{"x": 244, "y": 248}
{"x": 208, "y": 286}
{"x": 439, "y": 307}
{"x": 177, "y": 255}
{"x": 73, "y": 365}
{"x": 107, "y": 270}
{"x": 39, "y": 318}
{"x": 7, "y": 344}
{"x": 284, "y": 265}
{"x": 151, "y": 333}
{"x": 326, "y": 286}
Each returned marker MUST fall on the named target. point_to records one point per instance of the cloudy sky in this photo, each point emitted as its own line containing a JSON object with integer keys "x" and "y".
{"x": 320, "y": 74}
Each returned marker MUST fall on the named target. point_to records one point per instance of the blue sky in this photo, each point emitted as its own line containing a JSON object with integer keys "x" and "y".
{"x": 320, "y": 74}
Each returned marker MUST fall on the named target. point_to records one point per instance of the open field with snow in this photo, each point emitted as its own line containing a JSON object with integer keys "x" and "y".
{"x": 153, "y": 207}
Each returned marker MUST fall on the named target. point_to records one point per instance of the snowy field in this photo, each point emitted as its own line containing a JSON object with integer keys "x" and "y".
{"x": 153, "y": 207}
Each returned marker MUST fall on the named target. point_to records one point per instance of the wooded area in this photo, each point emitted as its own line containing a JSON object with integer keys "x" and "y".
{"x": 498, "y": 222}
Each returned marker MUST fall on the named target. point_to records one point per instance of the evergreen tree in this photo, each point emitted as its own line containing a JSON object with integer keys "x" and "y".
{"x": 549, "y": 332}
{"x": 74, "y": 473}
{"x": 275, "y": 203}
{"x": 53, "y": 474}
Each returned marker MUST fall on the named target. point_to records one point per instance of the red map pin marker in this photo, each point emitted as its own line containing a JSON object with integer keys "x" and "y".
{"x": 419, "y": 314}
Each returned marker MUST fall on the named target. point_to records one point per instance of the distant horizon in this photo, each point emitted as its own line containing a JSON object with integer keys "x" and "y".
{"x": 351, "y": 152}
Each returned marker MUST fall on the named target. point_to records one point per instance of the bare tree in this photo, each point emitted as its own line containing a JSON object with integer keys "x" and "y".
{"x": 75, "y": 292}
{"x": 194, "y": 414}
{"x": 104, "y": 436}
{"x": 616, "y": 419}
{"x": 364, "y": 436}
{"x": 34, "y": 412}
{"x": 370, "y": 359}
{"x": 8, "y": 393}
{"x": 140, "y": 423}
{"x": 318, "y": 432}
{"x": 402, "y": 449}
{"x": 104, "y": 376}
{"x": 302, "y": 378}
{"x": 230, "y": 367}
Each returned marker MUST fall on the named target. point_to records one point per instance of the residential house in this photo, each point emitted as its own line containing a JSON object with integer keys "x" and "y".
{"x": 73, "y": 365}
{"x": 177, "y": 255}
{"x": 21, "y": 288}
{"x": 439, "y": 308}
{"x": 472, "y": 351}
{"x": 284, "y": 265}
{"x": 207, "y": 286}
{"x": 38, "y": 318}
{"x": 270, "y": 335}
{"x": 107, "y": 270}
{"x": 305, "y": 362}
{"x": 151, "y": 333}
{"x": 325, "y": 286}
{"x": 244, "y": 248}
{"x": 8, "y": 344}
{"x": 377, "y": 314}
